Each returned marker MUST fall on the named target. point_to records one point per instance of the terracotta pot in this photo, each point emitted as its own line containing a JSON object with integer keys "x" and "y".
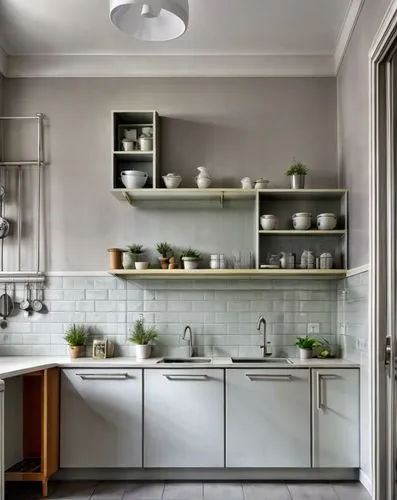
{"x": 76, "y": 351}
{"x": 164, "y": 261}
{"x": 115, "y": 258}
{"x": 173, "y": 265}
{"x": 143, "y": 351}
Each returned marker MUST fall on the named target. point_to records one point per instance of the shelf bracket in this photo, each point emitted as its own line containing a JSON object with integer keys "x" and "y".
{"x": 128, "y": 198}
{"x": 222, "y": 198}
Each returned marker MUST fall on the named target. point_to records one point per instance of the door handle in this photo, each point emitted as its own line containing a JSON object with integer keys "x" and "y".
{"x": 185, "y": 377}
{"x": 103, "y": 376}
{"x": 259, "y": 376}
{"x": 319, "y": 391}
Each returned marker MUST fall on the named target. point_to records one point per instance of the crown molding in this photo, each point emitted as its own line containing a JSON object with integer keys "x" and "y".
{"x": 47, "y": 66}
{"x": 347, "y": 31}
{"x": 3, "y": 61}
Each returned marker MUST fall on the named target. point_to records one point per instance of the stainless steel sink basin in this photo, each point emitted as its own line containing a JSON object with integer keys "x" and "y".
{"x": 185, "y": 360}
{"x": 283, "y": 361}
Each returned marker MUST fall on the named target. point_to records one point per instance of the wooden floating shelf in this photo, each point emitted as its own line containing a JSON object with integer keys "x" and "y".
{"x": 228, "y": 273}
{"x": 309, "y": 232}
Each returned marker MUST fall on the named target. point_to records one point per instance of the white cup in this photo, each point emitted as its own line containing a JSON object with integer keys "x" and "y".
{"x": 268, "y": 222}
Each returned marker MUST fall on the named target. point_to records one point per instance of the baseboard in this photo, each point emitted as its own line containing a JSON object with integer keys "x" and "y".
{"x": 366, "y": 482}
{"x": 208, "y": 474}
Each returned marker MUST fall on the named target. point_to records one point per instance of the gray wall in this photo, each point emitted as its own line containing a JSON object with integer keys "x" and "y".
{"x": 236, "y": 127}
{"x": 353, "y": 126}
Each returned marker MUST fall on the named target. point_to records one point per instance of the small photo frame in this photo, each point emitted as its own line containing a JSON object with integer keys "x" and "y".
{"x": 99, "y": 349}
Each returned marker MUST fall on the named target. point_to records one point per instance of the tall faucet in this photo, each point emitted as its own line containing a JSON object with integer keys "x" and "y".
{"x": 190, "y": 340}
{"x": 262, "y": 321}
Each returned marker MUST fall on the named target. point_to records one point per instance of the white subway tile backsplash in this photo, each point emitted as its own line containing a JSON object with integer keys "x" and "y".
{"x": 223, "y": 314}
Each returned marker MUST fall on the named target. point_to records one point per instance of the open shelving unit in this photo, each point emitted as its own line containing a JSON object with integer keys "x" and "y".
{"x": 281, "y": 202}
{"x": 36, "y": 406}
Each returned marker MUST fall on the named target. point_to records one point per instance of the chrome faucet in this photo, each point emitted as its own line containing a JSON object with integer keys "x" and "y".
{"x": 190, "y": 340}
{"x": 262, "y": 321}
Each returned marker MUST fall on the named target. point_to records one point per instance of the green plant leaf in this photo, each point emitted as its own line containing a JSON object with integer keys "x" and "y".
{"x": 141, "y": 335}
{"x": 76, "y": 335}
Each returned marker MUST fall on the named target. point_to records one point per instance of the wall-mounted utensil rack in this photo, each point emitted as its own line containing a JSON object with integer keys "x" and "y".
{"x": 17, "y": 168}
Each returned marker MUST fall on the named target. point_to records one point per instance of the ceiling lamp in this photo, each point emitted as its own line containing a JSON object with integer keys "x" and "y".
{"x": 150, "y": 20}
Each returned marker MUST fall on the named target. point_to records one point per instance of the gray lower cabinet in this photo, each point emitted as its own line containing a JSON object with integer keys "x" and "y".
{"x": 184, "y": 418}
{"x": 268, "y": 418}
{"x": 336, "y": 423}
{"x": 101, "y": 418}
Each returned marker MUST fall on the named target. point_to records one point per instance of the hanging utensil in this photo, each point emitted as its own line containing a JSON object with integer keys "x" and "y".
{"x": 25, "y": 303}
{"x": 6, "y": 307}
{"x": 37, "y": 304}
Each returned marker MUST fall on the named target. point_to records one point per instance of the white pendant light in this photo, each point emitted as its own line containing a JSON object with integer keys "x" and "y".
{"x": 150, "y": 20}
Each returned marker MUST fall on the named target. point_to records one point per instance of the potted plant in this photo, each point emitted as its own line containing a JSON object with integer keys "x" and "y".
{"x": 165, "y": 251}
{"x": 306, "y": 345}
{"x": 143, "y": 338}
{"x": 131, "y": 255}
{"x": 190, "y": 258}
{"x": 76, "y": 338}
{"x": 173, "y": 264}
{"x": 297, "y": 171}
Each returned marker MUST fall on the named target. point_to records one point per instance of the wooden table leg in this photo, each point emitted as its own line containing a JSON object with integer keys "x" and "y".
{"x": 44, "y": 489}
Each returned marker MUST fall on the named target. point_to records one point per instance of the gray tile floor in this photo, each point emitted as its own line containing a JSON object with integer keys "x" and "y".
{"x": 124, "y": 490}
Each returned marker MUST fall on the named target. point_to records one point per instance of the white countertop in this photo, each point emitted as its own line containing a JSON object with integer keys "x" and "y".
{"x": 11, "y": 366}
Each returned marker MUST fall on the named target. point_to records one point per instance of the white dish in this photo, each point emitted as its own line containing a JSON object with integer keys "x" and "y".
{"x": 133, "y": 179}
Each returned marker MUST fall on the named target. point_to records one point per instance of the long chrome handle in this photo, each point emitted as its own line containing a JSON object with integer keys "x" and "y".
{"x": 103, "y": 376}
{"x": 319, "y": 391}
{"x": 185, "y": 377}
{"x": 260, "y": 376}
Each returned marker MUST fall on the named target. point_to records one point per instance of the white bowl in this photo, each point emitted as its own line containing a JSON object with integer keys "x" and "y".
{"x": 141, "y": 265}
{"x": 268, "y": 222}
{"x": 326, "y": 222}
{"x": 133, "y": 179}
{"x": 302, "y": 221}
{"x": 172, "y": 181}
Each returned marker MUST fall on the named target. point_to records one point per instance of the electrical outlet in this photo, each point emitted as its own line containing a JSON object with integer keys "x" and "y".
{"x": 313, "y": 328}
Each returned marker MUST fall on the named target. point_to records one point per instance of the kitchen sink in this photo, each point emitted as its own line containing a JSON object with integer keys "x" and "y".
{"x": 284, "y": 361}
{"x": 185, "y": 360}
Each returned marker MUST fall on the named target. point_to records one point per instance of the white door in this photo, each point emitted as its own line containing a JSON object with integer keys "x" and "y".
{"x": 101, "y": 418}
{"x": 183, "y": 418}
{"x": 336, "y": 424}
{"x": 268, "y": 418}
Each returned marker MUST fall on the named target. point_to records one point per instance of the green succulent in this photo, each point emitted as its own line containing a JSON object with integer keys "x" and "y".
{"x": 141, "y": 335}
{"x": 297, "y": 168}
{"x": 164, "y": 249}
{"x": 135, "y": 249}
{"x": 307, "y": 342}
{"x": 191, "y": 253}
{"x": 76, "y": 335}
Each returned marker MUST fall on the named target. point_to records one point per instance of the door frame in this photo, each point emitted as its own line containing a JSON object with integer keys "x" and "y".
{"x": 381, "y": 198}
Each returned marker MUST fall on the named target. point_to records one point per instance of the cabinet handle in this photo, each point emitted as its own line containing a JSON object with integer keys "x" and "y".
{"x": 103, "y": 376}
{"x": 319, "y": 391}
{"x": 260, "y": 376}
{"x": 185, "y": 377}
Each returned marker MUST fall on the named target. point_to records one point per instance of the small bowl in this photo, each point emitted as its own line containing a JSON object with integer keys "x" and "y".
{"x": 141, "y": 265}
{"x": 172, "y": 181}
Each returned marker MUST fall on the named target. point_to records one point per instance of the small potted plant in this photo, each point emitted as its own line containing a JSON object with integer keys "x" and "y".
{"x": 143, "y": 338}
{"x": 131, "y": 255}
{"x": 165, "y": 251}
{"x": 173, "y": 264}
{"x": 297, "y": 172}
{"x": 306, "y": 345}
{"x": 76, "y": 338}
{"x": 190, "y": 258}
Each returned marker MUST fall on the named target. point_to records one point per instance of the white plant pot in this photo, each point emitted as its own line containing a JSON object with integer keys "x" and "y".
{"x": 143, "y": 351}
{"x": 305, "y": 353}
{"x": 128, "y": 260}
{"x": 189, "y": 263}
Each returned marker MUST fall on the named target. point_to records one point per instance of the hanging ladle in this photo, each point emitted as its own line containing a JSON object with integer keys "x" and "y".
{"x": 25, "y": 303}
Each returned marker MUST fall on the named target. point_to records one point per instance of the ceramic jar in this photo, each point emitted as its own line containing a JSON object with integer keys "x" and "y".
{"x": 145, "y": 143}
{"x": 246, "y": 183}
{"x": 115, "y": 258}
{"x": 203, "y": 182}
{"x": 326, "y": 261}
{"x": 133, "y": 179}
{"x": 326, "y": 222}
{"x": 268, "y": 222}
{"x": 128, "y": 260}
{"x": 143, "y": 351}
{"x": 261, "y": 184}
{"x": 128, "y": 145}
{"x": 302, "y": 221}
{"x": 172, "y": 181}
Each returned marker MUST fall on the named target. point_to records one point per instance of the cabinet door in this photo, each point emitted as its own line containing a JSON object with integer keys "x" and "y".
{"x": 336, "y": 423}
{"x": 268, "y": 418}
{"x": 184, "y": 418}
{"x": 101, "y": 418}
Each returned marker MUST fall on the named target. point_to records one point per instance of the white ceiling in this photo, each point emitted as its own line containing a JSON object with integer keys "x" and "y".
{"x": 263, "y": 30}
{"x": 216, "y": 27}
